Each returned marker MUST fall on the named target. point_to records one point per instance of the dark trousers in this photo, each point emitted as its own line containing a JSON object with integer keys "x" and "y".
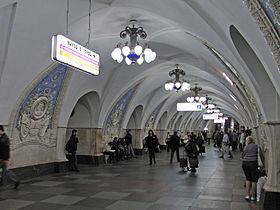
{"x": 6, "y": 173}
{"x": 234, "y": 145}
{"x": 152, "y": 156}
{"x": 172, "y": 154}
{"x": 73, "y": 165}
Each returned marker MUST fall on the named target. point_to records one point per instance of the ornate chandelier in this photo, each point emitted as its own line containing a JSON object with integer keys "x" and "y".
{"x": 132, "y": 52}
{"x": 177, "y": 83}
{"x": 196, "y": 97}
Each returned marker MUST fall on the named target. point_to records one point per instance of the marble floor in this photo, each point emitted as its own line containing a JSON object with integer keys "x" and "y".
{"x": 134, "y": 185}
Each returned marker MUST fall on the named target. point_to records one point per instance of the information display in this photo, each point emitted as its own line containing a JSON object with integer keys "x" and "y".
{"x": 74, "y": 55}
{"x": 189, "y": 107}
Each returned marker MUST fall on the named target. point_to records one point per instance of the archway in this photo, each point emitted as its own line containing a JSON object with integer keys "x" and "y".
{"x": 84, "y": 118}
{"x": 133, "y": 124}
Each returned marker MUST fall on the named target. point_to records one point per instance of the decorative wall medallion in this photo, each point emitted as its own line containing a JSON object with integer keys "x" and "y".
{"x": 35, "y": 120}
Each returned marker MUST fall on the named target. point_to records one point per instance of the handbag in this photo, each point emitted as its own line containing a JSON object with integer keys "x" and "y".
{"x": 183, "y": 162}
{"x": 193, "y": 162}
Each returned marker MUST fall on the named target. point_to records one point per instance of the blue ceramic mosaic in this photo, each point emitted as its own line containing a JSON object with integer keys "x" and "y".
{"x": 50, "y": 85}
{"x": 271, "y": 13}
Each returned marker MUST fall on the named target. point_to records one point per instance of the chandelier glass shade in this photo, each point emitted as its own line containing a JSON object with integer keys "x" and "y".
{"x": 177, "y": 83}
{"x": 132, "y": 52}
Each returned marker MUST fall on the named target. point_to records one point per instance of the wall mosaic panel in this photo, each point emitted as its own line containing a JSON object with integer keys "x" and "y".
{"x": 116, "y": 116}
{"x": 150, "y": 124}
{"x": 267, "y": 16}
{"x": 34, "y": 121}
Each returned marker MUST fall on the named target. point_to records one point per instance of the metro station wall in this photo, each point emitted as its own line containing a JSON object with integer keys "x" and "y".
{"x": 33, "y": 124}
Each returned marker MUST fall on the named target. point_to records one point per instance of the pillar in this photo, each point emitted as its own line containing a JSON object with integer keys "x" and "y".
{"x": 272, "y": 186}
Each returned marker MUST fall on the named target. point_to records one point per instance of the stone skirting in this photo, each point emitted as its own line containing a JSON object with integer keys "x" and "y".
{"x": 271, "y": 201}
{"x": 90, "y": 159}
{"x": 40, "y": 170}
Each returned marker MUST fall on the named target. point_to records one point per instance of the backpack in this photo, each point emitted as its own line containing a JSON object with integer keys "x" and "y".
{"x": 68, "y": 147}
{"x": 191, "y": 148}
{"x": 188, "y": 147}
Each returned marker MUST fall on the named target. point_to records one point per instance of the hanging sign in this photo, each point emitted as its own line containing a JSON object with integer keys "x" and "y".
{"x": 74, "y": 55}
{"x": 189, "y": 106}
{"x": 210, "y": 116}
{"x": 220, "y": 120}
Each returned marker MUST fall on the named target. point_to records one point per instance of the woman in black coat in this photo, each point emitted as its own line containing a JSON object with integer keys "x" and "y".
{"x": 151, "y": 141}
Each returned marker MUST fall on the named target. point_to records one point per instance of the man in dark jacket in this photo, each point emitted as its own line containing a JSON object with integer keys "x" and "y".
{"x": 174, "y": 145}
{"x": 71, "y": 147}
{"x": 151, "y": 141}
{"x": 128, "y": 142}
{"x": 4, "y": 158}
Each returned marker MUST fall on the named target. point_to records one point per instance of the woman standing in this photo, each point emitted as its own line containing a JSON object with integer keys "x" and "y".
{"x": 151, "y": 141}
{"x": 250, "y": 168}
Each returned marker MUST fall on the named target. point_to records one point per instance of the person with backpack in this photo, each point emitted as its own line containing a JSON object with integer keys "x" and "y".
{"x": 71, "y": 147}
{"x": 192, "y": 152}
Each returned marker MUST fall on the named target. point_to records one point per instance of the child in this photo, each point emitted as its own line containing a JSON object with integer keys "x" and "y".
{"x": 261, "y": 181}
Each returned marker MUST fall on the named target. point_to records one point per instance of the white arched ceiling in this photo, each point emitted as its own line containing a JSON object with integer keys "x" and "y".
{"x": 192, "y": 53}
{"x": 135, "y": 118}
{"x": 162, "y": 122}
{"x": 178, "y": 32}
{"x": 265, "y": 90}
{"x": 85, "y": 114}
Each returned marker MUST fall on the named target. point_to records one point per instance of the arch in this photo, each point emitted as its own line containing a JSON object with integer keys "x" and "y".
{"x": 85, "y": 113}
{"x": 178, "y": 122}
{"x": 262, "y": 85}
{"x": 162, "y": 121}
{"x": 84, "y": 118}
{"x": 134, "y": 123}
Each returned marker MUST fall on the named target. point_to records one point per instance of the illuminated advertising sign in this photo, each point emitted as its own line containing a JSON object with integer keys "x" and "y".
{"x": 74, "y": 55}
{"x": 189, "y": 107}
{"x": 210, "y": 116}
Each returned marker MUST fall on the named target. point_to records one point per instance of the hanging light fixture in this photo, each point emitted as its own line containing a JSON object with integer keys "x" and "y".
{"x": 132, "y": 52}
{"x": 196, "y": 97}
{"x": 177, "y": 83}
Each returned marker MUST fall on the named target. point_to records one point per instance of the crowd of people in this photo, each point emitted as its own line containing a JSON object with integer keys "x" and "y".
{"x": 193, "y": 146}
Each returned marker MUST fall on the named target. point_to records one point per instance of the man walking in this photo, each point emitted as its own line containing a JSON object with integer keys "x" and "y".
{"x": 4, "y": 158}
{"x": 71, "y": 147}
{"x": 174, "y": 144}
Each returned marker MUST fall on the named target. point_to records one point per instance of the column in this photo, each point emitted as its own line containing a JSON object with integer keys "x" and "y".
{"x": 272, "y": 186}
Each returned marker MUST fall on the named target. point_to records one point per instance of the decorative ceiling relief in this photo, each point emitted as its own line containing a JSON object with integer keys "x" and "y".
{"x": 272, "y": 10}
{"x": 35, "y": 121}
{"x": 267, "y": 16}
{"x": 115, "y": 118}
{"x": 150, "y": 124}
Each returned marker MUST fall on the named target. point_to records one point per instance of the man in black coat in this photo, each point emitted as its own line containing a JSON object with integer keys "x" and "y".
{"x": 128, "y": 142}
{"x": 4, "y": 158}
{"x": 174, "y": 144}
{"x": 71, "y": 147}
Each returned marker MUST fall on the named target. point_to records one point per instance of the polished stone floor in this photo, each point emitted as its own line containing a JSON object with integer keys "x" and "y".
{"x": 134, "y": 185}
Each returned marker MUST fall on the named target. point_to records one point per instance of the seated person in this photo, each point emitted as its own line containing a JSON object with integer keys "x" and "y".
{"x": 109, "y": 151}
